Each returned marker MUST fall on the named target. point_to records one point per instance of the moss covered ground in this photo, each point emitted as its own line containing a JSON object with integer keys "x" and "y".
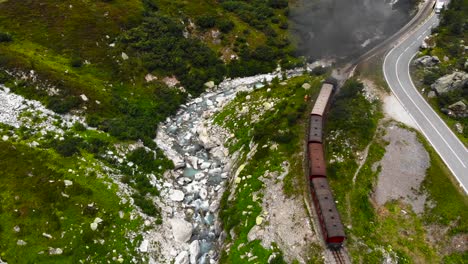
{"x": 273, "y": 120}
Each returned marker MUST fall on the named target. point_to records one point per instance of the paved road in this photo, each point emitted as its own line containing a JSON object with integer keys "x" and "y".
{"x": 396, "y": 71}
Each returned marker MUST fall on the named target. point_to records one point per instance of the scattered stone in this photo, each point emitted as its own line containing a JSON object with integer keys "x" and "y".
{"x": 431, "y": 94}
{"x": 17, "y": 229}
{"x": 177, "y": 196}
{"x": 182, "y": 258}
{"x": 94, "y": 226}
{"x": 47, "y": 235}
{"x": 205, "y": 165}
{"x": 144, "y": 246}
{"x": 124, "y": 56}
{"x": 259, "y": 220}
{"x": 306, "y": 86}
{"x": 194, "y": 250}
{"x": 203, "y": 193}
{"x": 68, "y": 183}
{"x": 21, "y": 243}
{"x": 459, "y": 128}
{"x": 210, "y": 85}
{"x": 84, "y": 98}
{"x": 171, "y": 81}
{"x": 5, "y": 137}
{"x": 149, "y": 77}
{"x": 55, "y": 251}
{"x": 181, "y": 229}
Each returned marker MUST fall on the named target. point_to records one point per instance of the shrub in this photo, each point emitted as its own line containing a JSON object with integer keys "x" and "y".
{"x": 69, "y": 146}
{"x": 5, "y": 37}
{"x": 225, "y": 25}
{"x": 62, "y": 106}
{"x": 319, "y": 71}
{"x": 76, "y": 62}
{"x": 206, "y": 21}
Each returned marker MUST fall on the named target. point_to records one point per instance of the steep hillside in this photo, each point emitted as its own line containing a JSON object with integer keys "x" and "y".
{"x": 83, "y": 85}
{"x": 124, "y": 55}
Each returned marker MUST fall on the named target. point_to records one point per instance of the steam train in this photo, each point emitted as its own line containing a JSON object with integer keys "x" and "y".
{"x": 330, "y": 222}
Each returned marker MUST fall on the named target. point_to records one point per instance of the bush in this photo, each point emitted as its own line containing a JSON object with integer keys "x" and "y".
{"x": 430, "y": 77}
{"x": 225, "y": 25}
{"x": 63, "y": 105}
{"x": 76, "y": 62}
{"x": 206, "y": 21}
{"x": 69, "y": 146}
{"x": 5, "y": 37}
{"x": 319, "y": 71}
{"x": 146, "y": 205}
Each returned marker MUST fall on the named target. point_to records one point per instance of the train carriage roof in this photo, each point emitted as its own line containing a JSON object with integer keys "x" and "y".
{"x": 322, "y": 99}
{"x": 327, "y": 206}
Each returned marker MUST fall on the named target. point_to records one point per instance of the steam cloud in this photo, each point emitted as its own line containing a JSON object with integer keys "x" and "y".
{"x": 345, "y": 28}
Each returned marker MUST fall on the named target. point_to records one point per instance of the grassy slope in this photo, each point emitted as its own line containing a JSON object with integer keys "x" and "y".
{"x": 274, "y": 127}
{"x": 33, "y": 199}
{"x": 57, "y": 39}
{"x": 374, "y": 233}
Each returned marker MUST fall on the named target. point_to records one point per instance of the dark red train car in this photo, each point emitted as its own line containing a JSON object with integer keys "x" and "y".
{"x": 315, "y": 129}
{"x": 317, "y": 166}
{"x": 332, "y": 228}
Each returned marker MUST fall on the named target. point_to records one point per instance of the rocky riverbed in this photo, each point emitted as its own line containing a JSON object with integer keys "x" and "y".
{"x": 191, "y": 232}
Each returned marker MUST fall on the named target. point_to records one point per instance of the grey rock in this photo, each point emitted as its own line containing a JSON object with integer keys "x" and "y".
{"x": 431, "y": 94}
{"x": 458, "y": 106}
{"x": 55, "y": 251}
{"x": 459, "y": 128}
{"x": 177, "y": 196}
{"x": 144, "y": 246}
{"x": 21, "y": 243}
{"x": 194, "y": 250}
{"x": 181, "y": 229}
{"x": 210, "y": 84}
{"x": 450, "y": 82}
{"x": 427, "y": 61}
{"x": 182, "y": 258}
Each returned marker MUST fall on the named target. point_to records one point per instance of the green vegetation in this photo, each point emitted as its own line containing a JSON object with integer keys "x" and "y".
{"x": 104, "y": 50}
{"x": 36, "y": 202}
{"x": 273, "y": 121}
{"x": 449, "y": 39}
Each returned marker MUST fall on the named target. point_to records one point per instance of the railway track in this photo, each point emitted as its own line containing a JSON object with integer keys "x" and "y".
{"x": 339, "y": 256}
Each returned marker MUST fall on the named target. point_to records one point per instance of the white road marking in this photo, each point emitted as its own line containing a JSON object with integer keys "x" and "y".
{"x": 396, "y": 73}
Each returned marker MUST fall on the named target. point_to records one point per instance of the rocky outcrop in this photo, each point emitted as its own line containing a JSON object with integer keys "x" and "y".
{"x": 427, "y": 61}
{"x": 450, "y": 82}
{"x": 459, "y": 109}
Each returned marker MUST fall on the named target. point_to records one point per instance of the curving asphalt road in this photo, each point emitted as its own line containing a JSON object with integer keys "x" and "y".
{"x": 396, "y": 71}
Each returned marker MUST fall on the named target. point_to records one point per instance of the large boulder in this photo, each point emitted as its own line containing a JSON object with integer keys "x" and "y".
{"x": 459, "y": 109}
{"x": 450, "y": 82}
{"x": 181, "y": 229}
{"x": 427, "y": 61}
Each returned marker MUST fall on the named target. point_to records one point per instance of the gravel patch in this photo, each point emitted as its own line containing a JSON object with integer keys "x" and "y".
{"x": 285, "y": 222}
{"x": 394, "y": 109}
{"x": 403, "y": 169}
